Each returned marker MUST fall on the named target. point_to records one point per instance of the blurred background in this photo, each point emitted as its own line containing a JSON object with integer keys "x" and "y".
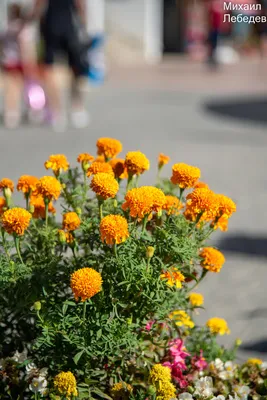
{"x": 170, "y": 76}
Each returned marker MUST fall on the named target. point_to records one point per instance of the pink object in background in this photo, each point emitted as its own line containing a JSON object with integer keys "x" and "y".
{"x": 36, "y": 96}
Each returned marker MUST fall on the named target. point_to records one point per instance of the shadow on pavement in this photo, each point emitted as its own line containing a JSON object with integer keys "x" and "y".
{"x": 259, "y": 346}
{"x": 244, "y": 244}
{"x": 253, "y": 110}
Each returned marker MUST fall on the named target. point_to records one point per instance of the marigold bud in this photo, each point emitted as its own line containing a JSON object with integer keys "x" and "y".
{"x": 151, "y": 390}
{"x": 78, "y": 211}
{"x": 150, "y": 250}
{"x": 37, "y": 306}
{"x": 115, "y": 203}
{"x": 63, "y": 185}
{"x": 85, "y": 166}
{"x": 7, "y": 193}
{"x": 31, "y": 209}
{"x": 62, "y": 236}
{"x": 238, "y": 342}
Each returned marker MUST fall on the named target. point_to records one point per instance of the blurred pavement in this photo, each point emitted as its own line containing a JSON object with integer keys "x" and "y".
{"x": 216, "y": 121}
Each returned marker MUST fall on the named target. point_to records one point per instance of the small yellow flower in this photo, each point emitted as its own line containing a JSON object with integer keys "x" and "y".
{"x": 85, "y": 283}
{"x": 218, "y": 326}
{"x": 174, "y": 277}
{"x": 114, "y": 229}
{"x": 27, "y": 184}
{"x": 136, "y": 163}
{"x": 108, "y": 147}
{"x": 58, "y": 163}
{"x": 184, "y": 175}
{"x": 104, "y": 185}
{"x": 16, "y": 221}
{"x": 196, "y": 299}
{"x": 181, "y": 318}
{"x": 48, "y": 187}
{"x": 160, "y": 373}
{"x": 163, "y": 160}
{"x": 71, "y": 221}
{"x": 212, "y": 259}
{"x": 121, "y": 391}
{"x": 65, "y": 384}
{"x": 254, "y": 361}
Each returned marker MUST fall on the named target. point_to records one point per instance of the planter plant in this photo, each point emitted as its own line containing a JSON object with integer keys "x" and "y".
{"x": 98, "y": 299}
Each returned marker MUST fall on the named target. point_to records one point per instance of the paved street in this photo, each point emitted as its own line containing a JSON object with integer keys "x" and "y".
{"x": 202, "y": 118}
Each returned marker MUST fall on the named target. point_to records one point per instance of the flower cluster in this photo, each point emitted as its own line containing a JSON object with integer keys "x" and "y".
{"x": 85, "y": 283}
{"x": 65, "y": 384}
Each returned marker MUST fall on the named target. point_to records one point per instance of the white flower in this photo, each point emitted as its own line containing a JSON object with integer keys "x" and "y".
{"x": 234, "y": 398}
{"x": 43, "y": 372}
{"x": 20, "y": 357}
{"x": 185, "y": 396}
{"x": 241, "y": 391}
{"x": 263, "y": 366}
{"x": 204, "y": 386}
{"x": 38, "y": 385}
{"x": 228, "y": 372}
{"x": 220, "y": 397}
{"x": 216, "y": 365}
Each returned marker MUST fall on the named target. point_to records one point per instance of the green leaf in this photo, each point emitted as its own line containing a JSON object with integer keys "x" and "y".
{"x": 100, "y": 393}
{"x": 77, "y": 357}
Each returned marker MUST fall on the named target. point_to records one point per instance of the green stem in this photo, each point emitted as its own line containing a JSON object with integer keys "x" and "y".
{"x": 137, "y": 180}
{"x": 35, "y": 396}
{"x": 84, "y": 310}
{"x": 100, "y": 207}
{"x": 5, "y": 244}
{"x": 27, "y": 196}
{"x": 204, "y": 273}
{"x": 144, "y": 225}
{"x": 84, "y": 188}
{"x": 181, "y": 194}
{"x": 46, "y": 201}
{"x": 16, "y": 240}
{"x": 129, "y": 182}
{"x": 115, "y": 250}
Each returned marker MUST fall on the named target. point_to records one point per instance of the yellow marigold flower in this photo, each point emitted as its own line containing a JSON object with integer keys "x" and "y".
{"x": 48, "y": 187}
{"x": 143, "y": 201}
{"x": 16, "y": 220}
{"x": 201, "y": 185}
{"x": 181, "y": 318}
{"x": 104, "y": 185}
{"x": 166, "y": 391}
{"x": 99, "y": 167}
{"x": 71, "y": 221}
{"x": 27, "y": 183}
{"x": 172, "y": 205}
{"x": 108, "y": 147}
{"x": 136, "y": 163}
{"x": 196, "y": 299}
{"x": 160, "y": 373}
{"x": 85, "y": 157}
{"x": 66, "y": 385}
{"x": 163, "y": 160}
{"x": 85, "y": 283}
{"x": 2, "y": 205}
{"x": 185, "y": 175}
{"x": 212, "y": 259}
{"x": 119, "y": 168}
{"x": 174, "y": 277}
{"x": 201, "y": 201}
{"x": 6, "y": 183}
{"x": 254, "y": 361}
{"x": 38, "y": 204}
{"x": 121, "y": 391}
{"x": 218, "y": 326}
{"x": 114, "y": 229}
{"x": 58, "y": 163}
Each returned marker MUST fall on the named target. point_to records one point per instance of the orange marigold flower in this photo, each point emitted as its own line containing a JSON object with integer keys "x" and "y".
{"x": 222, "y": 223}
{"x": 226, "y": 206}
{"x": 104, "y": 185}
{"x": 143, "y": 201}
{"x": 218, "y": 326}
{"x": 163, "y": 160}
{"x": 58, "y": 163}
{"x": 6, "y": 183}
{"x": 2, "y": 204}
{"x": 114, "y": 229}
{"x": 27, "y": 183}
{"x": 98, "y": 167}
{"x": 212, "y": 259}
{"x": 108, "y": 147}
{"x": 172, "y": 205}
{"x": 201, "y": 185}
{"x": 49, "y": 187}
{"x": 16, "y": 220}
{"x": 71, "y": 221}
{"x": 185, "y": 175}
{"x": 201, "y": 201}
{"x": 85, "y": 283}
{"x": 136, "y": 163}
{"x": 119, "y": 168}
{"x": 65, "y": 237}
{"x": 85, "y": 157}
{"x": 38, "y": 205}
{"x": 174, "y": 277}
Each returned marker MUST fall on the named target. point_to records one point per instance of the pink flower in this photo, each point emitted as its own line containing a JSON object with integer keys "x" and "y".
{"x": 177, "y": 374}
{"x": 199, "y": 362}
{"x": 149, "y": 325}
{"x": 177, "y": 352}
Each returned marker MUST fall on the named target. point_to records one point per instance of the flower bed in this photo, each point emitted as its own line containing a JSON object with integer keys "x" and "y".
{"x": 102, "y": 304}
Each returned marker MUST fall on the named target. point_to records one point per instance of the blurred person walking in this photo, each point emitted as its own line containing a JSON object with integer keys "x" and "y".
{"x": 242, "y": 30}
{"x": 215, "y": 20}
{"x": 62, "y": 23}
